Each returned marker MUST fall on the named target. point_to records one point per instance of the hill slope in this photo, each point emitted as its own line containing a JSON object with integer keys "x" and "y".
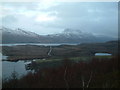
{"x": 67, "y": 36}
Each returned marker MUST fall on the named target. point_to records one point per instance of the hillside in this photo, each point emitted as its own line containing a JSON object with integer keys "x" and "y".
{"x": 25, "y": 52}
{"x": 67, "y": 36}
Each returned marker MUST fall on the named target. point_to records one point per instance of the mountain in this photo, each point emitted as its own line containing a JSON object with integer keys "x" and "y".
{"x": 67, "y": 36}
{"x": 18, "y": 36}
{"x": 77, "y": 36}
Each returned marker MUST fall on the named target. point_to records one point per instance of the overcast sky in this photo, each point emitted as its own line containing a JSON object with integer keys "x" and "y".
{"x": 53, "y": 17}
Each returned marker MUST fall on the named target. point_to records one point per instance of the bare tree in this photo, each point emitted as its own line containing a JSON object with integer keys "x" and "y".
{"x": 83, "y": 82}
{"x": 67, "y": 85}
{"x": 89, "y": 79}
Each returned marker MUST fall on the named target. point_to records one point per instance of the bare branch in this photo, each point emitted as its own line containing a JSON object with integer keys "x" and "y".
{"x": 83, "y": 83}
{"x": 89, "y": 80}
{"x": 65, "y": 78}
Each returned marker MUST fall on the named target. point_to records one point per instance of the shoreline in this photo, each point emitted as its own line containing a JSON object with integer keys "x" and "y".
{"x": 30, "y": 52}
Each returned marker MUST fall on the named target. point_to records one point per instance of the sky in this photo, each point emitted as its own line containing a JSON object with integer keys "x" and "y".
{"x": 100, "y": 18}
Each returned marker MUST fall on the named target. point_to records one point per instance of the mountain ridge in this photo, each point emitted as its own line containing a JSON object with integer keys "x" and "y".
{"x": 67, "y": 36}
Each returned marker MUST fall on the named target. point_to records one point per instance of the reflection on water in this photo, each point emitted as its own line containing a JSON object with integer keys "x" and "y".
{"x": 40, "y": 44}
{"x": 23, "y": 67}
{"x": 9, "y": 67}
{"x": 102, "y": 54}
{"x": 4, "y": 57}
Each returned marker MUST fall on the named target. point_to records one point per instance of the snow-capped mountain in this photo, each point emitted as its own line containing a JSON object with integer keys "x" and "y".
{"x": 18, "y": 36}
{"x": 76, "y": 33}
{"x": 18, "y": 31}
{"x": 77, "y": 36}
{"x": 67, "y": 36}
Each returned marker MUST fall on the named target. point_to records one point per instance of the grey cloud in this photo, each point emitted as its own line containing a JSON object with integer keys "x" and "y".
{"x": 101, "y": 19}
{"x": 95, "y": 17}
{"x": 9, "y": 19}
{"x": 17, "y": 5}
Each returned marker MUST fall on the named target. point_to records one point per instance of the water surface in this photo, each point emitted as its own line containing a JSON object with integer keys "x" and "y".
{"x": 40, "y": 44}
{"x": 9, "y": 67}
{"x": 102, "y": 54}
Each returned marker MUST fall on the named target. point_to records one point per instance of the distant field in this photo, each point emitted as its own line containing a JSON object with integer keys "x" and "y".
{"x": 74, "y": 52}
{"x": 75, "y": 59}
{"x": 56, "y": 62}
{"x": 103, "y": 56}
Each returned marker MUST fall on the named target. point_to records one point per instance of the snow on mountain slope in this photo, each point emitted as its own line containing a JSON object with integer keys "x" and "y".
{"x": 77, "y": 33}
{"x": 18, "y": 36}
{"x": 19, "y": 32}
{"x": 72, "y": 33}
{"x": 67, "y": 36}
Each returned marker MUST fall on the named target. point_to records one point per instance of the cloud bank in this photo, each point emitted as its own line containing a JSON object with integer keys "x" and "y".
{"x": 53, "y": 17}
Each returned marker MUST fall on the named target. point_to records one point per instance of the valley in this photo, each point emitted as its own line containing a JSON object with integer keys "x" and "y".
{"x": 27, "y": 52}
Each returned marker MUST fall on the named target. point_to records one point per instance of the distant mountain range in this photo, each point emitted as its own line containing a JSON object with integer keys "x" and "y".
{"x": 67, "y": 36}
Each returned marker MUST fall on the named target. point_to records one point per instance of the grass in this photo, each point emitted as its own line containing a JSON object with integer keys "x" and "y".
{"x": 59, "y": 59}
{"x": 103, "y": 56}
{"x": 81, "y": 58}
{"x": 104, "y": 74}
{"x": 76, "y": 59}
{"x": 47, "y": 60}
